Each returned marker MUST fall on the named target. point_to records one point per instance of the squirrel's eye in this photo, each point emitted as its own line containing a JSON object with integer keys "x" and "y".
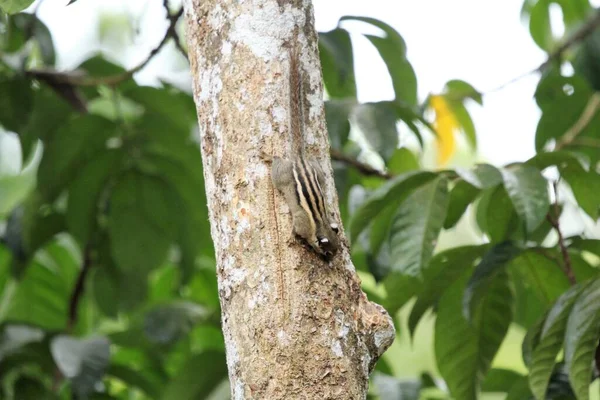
{"x": 323, "y": 240}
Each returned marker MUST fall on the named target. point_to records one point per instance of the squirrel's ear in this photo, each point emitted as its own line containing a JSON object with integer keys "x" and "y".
{"x": 335, "y": 227}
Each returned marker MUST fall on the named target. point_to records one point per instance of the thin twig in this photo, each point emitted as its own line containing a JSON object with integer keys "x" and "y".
{"x": 586, "y": 141}
{"x": 361, "y": 167}
{"x": 589, "y": 112}
{"x": 553, "y": 220}
{"x": 78, "y": 289}
{"x": 174, "y": 35}
{"x": 83, "y": 80}
{"x": 578, "y": 36}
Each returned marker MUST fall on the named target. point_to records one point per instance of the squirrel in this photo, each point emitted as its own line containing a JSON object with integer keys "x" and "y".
{"x": 301, "y": 180}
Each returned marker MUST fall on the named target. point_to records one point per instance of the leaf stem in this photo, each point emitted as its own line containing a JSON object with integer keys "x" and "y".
{"x": 589, "y": 112}
{"x": 553, "y": 220}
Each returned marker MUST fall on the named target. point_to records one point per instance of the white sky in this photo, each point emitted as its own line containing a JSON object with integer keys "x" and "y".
{"x": 482, "y": 42}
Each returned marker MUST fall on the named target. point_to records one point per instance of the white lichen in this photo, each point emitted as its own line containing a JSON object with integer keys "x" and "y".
{"x": 217, "y": 18}
{"x": 264, "y": 29}
{"x": 232, "y": 276}
{"x": 336, "y": 348}
{"x": 238, "y": 390}
{"x": 190, "y": 10}
{"x": 223, "y": 237}
{"x": 210, "y": 83}
{"x": 242, "y": 226}
{"x": 280, "y": 115}
{"x": 283, "y": 337}
{"x": 226, "y": 49}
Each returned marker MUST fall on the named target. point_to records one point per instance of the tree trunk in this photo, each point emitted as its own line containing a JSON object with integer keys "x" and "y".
{"x": 295, "y": 327}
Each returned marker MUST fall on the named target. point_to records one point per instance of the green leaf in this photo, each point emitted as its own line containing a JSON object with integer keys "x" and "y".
{"x": 466, "y": 123}
{"x": 49, "y": 113}
{"x": 98, "y": 67}
{"x": 83, "y": 362}
{"x": 585, "y": 186}
{"x": 500, "y": 380}
{"x": 562, "y": 101}
{"x": 561, "y": 159}
{"x": 520, "y": 390}
{"x": 384, "y": 195}
{"x": 400, "y": 289}
{"x": 183, "y": 171}
{"x": 188, "y": 384}
{"x": 174, "y": 107}
{"x": 16, "y": 102}
{"x": 85, "y": 191}
{"x": 377, "y": 122}
{"x": 72, "y": 147}
{"x": 458, "y": 89}
{"x": 137, "y": 379}
{"x": 41, "y": 229}
{"x": 532, "y": 337}
{"x": 589, "y": 245}
{"x": 528, "y": 191}
{"x": 539, "y": 25}
{"x": 492, "y": 264}
{"x": 42, "y": 295}
{"x": 402, "y": 160}
{"x": 380, "y": 230}
{"x": 443, "y": 270}
{"x": 392, "y": 50}
{"x": 581, "y": 338}
{"x": 42, "y": 36}
{"x": 461, "y": 196}
{"x": 483, "y": 176}
{"x": 464, "y": 351}
{"x": 105, "y": 289}
{"x": 539, "y": 271}
{"x": 337, "y": 113}
{"x": 416, "y": 226}
{"x": 14, "y": 6}
{"x": 410, "y": 115}
{"x": 141, "y": 222}
{"x": 168, "y": 323}
{"x": 496, "y": 215}
{"x": 587, "y": 62}
{"x": 337, "y": 60}
{"x": 550, "y": 342}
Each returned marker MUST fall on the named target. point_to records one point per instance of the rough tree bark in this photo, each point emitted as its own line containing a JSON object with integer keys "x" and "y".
{"x": 294, "y": 326}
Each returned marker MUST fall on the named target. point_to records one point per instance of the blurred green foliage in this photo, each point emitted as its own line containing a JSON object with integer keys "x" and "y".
{"x": 107, "y": 271}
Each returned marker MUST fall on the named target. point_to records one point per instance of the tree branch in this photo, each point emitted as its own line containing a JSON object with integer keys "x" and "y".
{"x": 589, "y": 112}
{"x": 578, "y": 36}
{"x": 359, "y": 166}
{"x": 553, "y": 220}
{"x": 77, "y": 79}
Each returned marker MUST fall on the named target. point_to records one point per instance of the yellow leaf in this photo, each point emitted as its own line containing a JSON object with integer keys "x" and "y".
{"x": 446, "y": 126}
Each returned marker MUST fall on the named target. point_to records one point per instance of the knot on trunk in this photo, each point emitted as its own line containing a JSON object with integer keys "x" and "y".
{"x": 376, "y": 327}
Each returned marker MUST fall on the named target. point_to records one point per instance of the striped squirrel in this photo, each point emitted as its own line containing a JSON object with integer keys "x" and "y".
{"x": 301, "y": 180}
